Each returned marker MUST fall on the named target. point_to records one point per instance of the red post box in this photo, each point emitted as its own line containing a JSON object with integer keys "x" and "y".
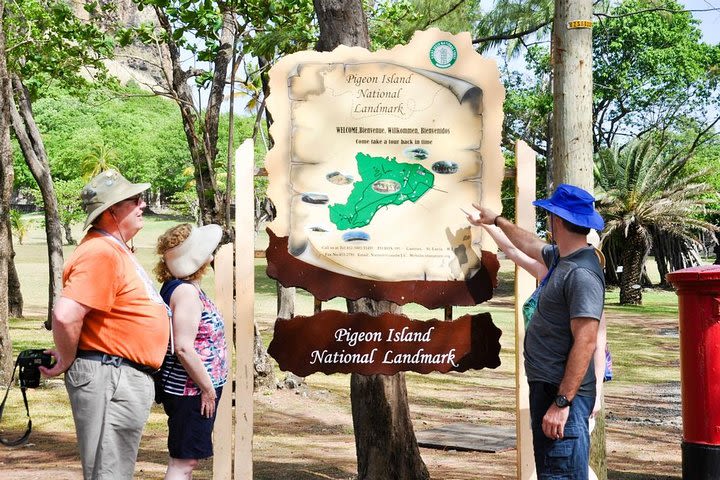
{"x": 698, "y": 291}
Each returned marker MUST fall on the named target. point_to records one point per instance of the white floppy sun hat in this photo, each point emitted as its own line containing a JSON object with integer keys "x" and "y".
{"x": 195, "y": 251}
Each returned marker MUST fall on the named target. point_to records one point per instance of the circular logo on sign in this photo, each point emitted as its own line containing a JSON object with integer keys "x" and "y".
{"x": 443, "y": 54}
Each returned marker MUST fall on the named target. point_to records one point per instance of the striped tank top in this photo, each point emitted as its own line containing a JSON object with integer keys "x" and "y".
{"x": 209, "y": 344}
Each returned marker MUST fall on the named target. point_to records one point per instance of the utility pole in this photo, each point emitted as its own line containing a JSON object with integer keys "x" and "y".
{"x": 572, "y": 145}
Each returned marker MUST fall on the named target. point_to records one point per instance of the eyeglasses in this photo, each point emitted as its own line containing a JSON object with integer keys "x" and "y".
{"x": 136, "y": 199}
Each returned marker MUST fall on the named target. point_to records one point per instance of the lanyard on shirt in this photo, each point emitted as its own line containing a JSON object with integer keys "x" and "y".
{"x": 149, "y": 285}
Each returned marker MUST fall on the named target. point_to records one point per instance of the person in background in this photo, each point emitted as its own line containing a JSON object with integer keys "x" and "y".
{"x": 561, "y": 337}
{"x": 193, "y": 376}
{"x": 110, "y": 328}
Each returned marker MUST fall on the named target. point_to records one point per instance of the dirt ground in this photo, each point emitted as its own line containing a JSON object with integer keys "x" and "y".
{"x": 306, "y": 433}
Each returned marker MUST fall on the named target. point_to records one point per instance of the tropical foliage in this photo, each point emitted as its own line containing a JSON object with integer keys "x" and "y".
{"x": 651, "y": 71}
{"x": 20, "y": 225}
{"x": 644, "y": 192}
{"x": 654, "y": 79}
{"x": 139, "y": 134}
{"x": 393, "y": 22}
{"x": 69, "y": 207}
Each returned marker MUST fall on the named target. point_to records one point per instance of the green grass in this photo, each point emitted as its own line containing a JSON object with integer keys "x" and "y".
{"x": 643, "y": 351}
{"x": 656, "y": 302}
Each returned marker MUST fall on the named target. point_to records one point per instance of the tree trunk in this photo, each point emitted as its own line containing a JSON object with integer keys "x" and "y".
{"x": 285, "y": 302}
{"x": 68, "y": 234}
{"x": 6, "y": 360}
{"x": 384, "y": 436}
{"x": 209, "y": 200}
{"x": 381, "y": 419}
{"x": 217, "y": 89}
{"x": 33, "y": 149}
{"x": 341, "y": 22}
{"x": 633, "y": 259}
{"x": 264, "y": 375}
{"x": 572, "y": 143}
{"x": 212, "y": 115}
{"x": 15, "y": 298}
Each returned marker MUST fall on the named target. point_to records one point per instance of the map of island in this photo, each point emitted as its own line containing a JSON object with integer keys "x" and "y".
{"x": 384, "y": 181}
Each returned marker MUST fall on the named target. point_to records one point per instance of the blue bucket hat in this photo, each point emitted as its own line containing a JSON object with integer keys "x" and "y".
{"x": 574, "y": 205}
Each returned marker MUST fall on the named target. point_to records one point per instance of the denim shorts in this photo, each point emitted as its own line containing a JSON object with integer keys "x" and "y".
{"x": 189, "y": 432}
{"x": 568, "y": 457}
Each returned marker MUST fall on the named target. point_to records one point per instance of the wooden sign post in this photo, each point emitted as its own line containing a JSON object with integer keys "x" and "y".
{"x": 222, "y": 432}
{"x": 525, "y": 284}
{"x": 244, "y": 308}
{"x": 233, "y": 432}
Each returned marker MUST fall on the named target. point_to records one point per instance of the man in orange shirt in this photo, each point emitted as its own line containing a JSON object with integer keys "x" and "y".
{"x": 111, "y": 330}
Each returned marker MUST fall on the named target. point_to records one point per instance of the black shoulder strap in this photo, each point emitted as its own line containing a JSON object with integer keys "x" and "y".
{"x": 26, "y": 435}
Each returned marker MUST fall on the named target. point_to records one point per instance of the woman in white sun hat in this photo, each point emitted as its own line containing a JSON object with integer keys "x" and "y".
{"x": 192, "y": 377}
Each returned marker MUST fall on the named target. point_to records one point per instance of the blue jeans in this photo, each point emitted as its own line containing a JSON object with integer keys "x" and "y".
{"x": 567, "y": 458}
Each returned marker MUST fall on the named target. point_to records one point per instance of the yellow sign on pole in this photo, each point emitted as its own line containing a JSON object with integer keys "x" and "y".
{"x": 573, "y": 24}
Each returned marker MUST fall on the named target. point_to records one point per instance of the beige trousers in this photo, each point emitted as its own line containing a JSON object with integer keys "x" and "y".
{"x": 110, "y": 406}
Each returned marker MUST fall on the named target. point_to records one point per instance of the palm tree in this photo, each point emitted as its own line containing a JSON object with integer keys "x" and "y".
{"x": 101, "y": 157}
{"x": 644, "y": 192}
{"x": 516, "y": 21}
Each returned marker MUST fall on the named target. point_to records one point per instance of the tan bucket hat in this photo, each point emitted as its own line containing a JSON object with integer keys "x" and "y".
{"x": 195, "y": 251}
{"x": 105, "y": 190}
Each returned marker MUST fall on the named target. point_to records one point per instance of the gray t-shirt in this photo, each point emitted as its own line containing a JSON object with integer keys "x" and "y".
{"x": 575, "y": 288}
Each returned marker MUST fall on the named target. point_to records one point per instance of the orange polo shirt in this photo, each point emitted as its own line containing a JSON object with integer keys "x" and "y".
{"x": 127, "y": 317}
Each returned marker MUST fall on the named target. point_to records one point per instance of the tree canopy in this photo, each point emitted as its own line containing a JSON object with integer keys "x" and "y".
{"x": 651, "y": 71}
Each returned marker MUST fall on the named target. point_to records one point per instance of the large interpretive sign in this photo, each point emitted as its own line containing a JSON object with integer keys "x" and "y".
{"x": 377, "y": 154}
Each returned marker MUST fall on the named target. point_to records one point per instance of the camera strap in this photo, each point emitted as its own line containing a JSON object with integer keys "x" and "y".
{"x": 26, "y": 436}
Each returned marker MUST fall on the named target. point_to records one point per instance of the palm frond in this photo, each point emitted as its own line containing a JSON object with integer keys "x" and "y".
{"x": 512, "y": 16}
{"x": 642, "y": 187}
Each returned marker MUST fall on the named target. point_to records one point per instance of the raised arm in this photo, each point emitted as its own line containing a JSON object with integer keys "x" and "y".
{"x": 528, "y": 243}
{"x": 534, "y": 267}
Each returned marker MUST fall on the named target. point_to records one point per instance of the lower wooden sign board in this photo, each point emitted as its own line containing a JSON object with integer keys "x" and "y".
{"x": 338, "y": 342}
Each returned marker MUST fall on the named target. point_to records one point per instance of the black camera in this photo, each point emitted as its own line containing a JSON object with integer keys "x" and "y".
{"x": 29, "y": 362}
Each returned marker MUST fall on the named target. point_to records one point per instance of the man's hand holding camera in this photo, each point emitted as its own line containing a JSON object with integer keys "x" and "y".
{"x": 31, "y": 363}
{"x": 56, "y": 368}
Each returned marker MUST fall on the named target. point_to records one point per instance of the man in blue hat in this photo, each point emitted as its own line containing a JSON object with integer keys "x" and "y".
{"x": 560, "y": 339}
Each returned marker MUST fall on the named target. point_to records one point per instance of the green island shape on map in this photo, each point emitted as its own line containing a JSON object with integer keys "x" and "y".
{"x": 364, "y": 202}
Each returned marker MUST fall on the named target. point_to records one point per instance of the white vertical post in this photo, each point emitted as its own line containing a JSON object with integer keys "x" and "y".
{"x": 223, "y": 430}
{"x": 525, "y": 284}
{"x": 244, "y": 307}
